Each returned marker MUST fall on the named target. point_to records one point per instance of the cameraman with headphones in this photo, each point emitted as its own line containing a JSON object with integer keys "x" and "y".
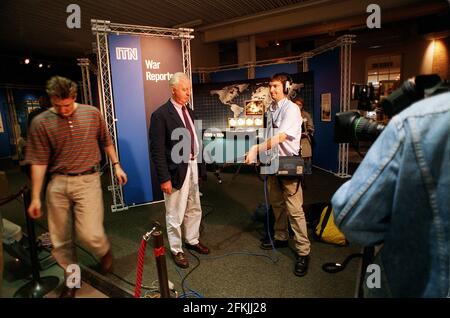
{"x": 400, "y": 197}
{"x": 283, "y": 135}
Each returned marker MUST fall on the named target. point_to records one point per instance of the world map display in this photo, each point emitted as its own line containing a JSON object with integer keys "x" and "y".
{"x": 216, "y": 103}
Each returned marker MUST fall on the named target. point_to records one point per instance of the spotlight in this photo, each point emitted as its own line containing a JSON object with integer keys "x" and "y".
{"x": 27, "y": 61}
{"x": 40, "y": 65}
{"x": 241, "y": 122}
{"x": 249, "y": 122}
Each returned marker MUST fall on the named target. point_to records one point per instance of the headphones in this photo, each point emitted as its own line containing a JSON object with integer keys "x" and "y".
{"x": 286, "y": 80}
{"x": 287, "y": 86}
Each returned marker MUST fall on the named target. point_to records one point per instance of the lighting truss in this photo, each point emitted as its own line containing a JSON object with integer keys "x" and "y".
{"x": 101, "y": 30}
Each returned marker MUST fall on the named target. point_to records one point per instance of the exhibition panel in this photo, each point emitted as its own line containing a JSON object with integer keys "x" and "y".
{"x": 135, "y": 64}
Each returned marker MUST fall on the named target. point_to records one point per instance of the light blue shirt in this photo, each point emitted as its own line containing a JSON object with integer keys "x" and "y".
{"x": 285, "y": 116}
{"x": 399, "y": 196}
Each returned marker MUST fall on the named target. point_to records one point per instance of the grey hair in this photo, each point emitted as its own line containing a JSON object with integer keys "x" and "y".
{"x": 175, "y": 79}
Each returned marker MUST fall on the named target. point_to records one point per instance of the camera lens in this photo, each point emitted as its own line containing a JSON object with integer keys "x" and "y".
{"x": 350, "y": 126}
{"x": 366, "y": 129}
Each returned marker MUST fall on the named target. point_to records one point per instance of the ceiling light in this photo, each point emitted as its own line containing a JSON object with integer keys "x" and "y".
{"x": 40, "y": 65}
{"x": 27, "y": 61}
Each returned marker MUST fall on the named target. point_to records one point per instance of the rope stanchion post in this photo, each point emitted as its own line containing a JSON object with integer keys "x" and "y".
{"x": 38, "y": 286}
{"x": 159, "y": 252}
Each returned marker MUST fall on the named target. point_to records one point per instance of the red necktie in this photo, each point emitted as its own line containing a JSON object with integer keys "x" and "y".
{"x": 191, "y": 131}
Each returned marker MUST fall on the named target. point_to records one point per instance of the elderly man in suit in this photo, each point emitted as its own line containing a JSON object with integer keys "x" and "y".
{"x": 178, "y": 178}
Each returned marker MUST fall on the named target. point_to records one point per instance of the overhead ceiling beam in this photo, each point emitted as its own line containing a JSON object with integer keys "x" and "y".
{"x": 304, "y": 13}
{"x": 356, "y": 22}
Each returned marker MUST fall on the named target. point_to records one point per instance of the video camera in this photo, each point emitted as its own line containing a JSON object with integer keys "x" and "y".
{"x": 350, "y": 126}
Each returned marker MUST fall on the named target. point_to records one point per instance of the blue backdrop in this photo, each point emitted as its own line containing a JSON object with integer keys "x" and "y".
{"x": 141, "y": 68}
{"x": 5, "y": 149}
{"x": 326, "y": 69}
{"x": 131, "y": 126}
{"x": 23, "y": 98}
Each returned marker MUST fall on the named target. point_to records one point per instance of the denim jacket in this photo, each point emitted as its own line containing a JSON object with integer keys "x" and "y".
{"x": 399, "y": 196}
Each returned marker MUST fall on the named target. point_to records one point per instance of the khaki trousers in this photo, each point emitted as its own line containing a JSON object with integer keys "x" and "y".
{"x": 75, "y": 210}
{"x": 287, "y": 203}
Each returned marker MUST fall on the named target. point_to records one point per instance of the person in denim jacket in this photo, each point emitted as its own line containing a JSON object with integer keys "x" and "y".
{"x": 399, "y": 196}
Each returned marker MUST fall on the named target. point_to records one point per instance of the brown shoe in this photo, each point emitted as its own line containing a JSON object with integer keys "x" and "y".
{"x": 106, "y": 263}
{"x": 180, "y": 260}
{"x": 67, "y": 292}
{"x": 199, "y": 248}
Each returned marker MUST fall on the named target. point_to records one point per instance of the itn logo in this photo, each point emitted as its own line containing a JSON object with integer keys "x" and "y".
{"x": 126, "y": 53}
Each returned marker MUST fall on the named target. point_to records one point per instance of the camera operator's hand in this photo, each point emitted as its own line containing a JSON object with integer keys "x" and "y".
{"x": 252, "y": 155}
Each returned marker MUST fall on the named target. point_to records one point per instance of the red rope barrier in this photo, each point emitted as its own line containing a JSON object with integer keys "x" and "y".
{"x": 140, "y": 269}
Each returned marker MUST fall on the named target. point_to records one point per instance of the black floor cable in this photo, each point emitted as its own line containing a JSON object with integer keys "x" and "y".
{"x": 338, "y": 267}
{"x": 367, "y": 256}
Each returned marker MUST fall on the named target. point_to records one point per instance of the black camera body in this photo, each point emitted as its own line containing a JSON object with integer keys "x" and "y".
{"x": 351, "y": 127}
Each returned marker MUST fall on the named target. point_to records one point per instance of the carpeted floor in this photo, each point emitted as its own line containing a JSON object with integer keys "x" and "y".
{"x": 236, "y": 267}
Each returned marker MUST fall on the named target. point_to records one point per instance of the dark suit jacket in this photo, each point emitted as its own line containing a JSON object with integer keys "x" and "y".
{"x": 163, "y": 121}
